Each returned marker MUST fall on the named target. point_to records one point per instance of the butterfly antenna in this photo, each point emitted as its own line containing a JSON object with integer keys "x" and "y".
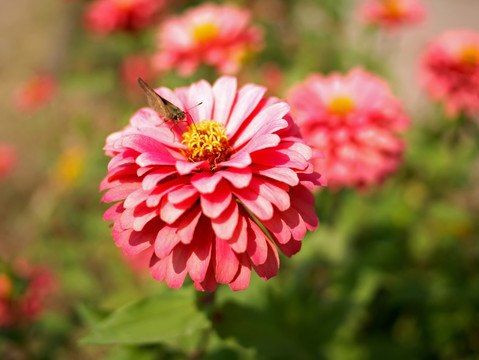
{"x": 191, "y": 121}
{"x": 195, "y": 106}
{"x": 191, "y": 118}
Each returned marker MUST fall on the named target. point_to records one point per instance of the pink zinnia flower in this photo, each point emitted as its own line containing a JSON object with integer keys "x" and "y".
{"x": 354, "y": 121}
{"x": 449, "y": 71}
{"x": 22, "y": 293}
{"x": 8, "y": 159}
{"x": 197, "y": 202}
{"x": 36, "y": 92}
{"x": 138, "y": 263}
{"x": 216, "y": 35}
{"x": 106, "y": 16}
{"x": 392, "y": 13}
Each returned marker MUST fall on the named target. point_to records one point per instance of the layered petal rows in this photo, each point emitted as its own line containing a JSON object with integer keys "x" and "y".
{"x": 218, "y": 217}
{"x": 354, "y": 120}
{"x": 106, "y": 16}
{"x": 449, "y": 71}
{"x": 391, "y": 14}
{"x": 217, "y": 35}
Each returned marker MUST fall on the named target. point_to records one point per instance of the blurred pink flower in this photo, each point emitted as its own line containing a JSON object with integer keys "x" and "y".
{"x": 8, "y": 159}
{"x": 272, "y": 76}
{"x": 36, "y": 92}
{"x": 22, "y": 293}
{"x": 449, "y": 71}
{"x": 133, "y": 67}
{"x": 392, "y": 13}
{"x": 354, "y": 121}
{"x": 195, "y": 202}
{"x": 106, "y": 16}
{"x": 216, "y": 35}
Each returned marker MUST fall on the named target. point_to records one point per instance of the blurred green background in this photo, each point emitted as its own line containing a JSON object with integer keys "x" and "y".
{"x": 391, "y": 273}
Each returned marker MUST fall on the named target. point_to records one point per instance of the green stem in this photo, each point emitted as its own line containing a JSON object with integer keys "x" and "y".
{"x": 205, "y": 302}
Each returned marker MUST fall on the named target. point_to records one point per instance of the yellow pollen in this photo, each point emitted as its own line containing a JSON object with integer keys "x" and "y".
{"x": 207, "y": 141}
{"x": 393, "y": 8}
{"x": 341, "y": 105}
{"x": 206, "y": 32}
{"x": 123, "y": 4}
{"x": 6, "y": 286}
{"x": 469, "y": 55}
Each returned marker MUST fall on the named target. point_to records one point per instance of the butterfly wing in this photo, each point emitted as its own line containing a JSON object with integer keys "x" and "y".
{"x": 155, "y": 101}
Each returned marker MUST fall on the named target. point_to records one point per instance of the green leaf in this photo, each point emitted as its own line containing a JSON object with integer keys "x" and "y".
{"x": 263, "y": 330}
{"x": 90, "y": 316}
{"x": 170, "y": 318}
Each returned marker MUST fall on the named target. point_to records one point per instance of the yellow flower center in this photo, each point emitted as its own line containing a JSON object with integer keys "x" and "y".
{"x": 469, "y": 55}
{"x": 6, "y": 286}
{"x": 207, "y": 141}
{"x": 341, "y": 105}
{"x": 123, "y": 4}
{"x": 205, "y": 32}
{"x": 392, "y": 8}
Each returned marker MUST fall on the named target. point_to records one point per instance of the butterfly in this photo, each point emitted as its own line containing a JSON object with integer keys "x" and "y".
{"x": 169, "y": 112}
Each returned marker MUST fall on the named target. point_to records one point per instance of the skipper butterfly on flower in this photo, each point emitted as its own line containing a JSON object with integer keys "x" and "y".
{"x": 169, "y": 112}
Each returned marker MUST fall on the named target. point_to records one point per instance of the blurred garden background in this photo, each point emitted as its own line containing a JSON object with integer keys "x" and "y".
{"x": 390, "y": 273}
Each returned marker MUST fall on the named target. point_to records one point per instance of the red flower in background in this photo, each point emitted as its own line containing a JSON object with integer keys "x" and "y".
{"x": 449, "y": 71}
{"x": 133, "y": 67}
{"x": 23, "y": 290}
{"x": 106, "y": 16}
{"x": 217, "y": 35}
{"x": 392, "y": 13}
{"x": 354, "y": 120}
{"x": 8, "y": 159}
{"x": 36, "y": 92}
{"x": 197, "y": 203}
{"x": 272, "y": 76}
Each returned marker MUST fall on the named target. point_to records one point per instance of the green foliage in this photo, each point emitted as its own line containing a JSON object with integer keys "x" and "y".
{"x": 391, "y": 273}
{"x": 169, "y": 318}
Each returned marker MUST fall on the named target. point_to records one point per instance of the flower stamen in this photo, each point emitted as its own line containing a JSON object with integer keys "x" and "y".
{"x": 124, "y": 4}
{"x": 341, "y": 105}
{"x": 206, "y": 32}
{"x": 393, "y": 8}
{"x": 469, "y": 55}
{"x": 207, "y": 141}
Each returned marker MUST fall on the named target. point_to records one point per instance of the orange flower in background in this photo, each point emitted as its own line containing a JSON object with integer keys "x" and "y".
{"x": 449, "y": 71}
{"x": 217, "y": 35}
{"x": 392, "y": 13}
{"x": 106, "y": 16}
{"x": 36, "y": 92}
{"x": 354, "y": 120}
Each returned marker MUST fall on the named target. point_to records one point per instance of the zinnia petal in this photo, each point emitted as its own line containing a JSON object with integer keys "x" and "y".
{"x": 198, "y": 207}
{"x": 354, "y": 120}
{"x": 210, "y": 34}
